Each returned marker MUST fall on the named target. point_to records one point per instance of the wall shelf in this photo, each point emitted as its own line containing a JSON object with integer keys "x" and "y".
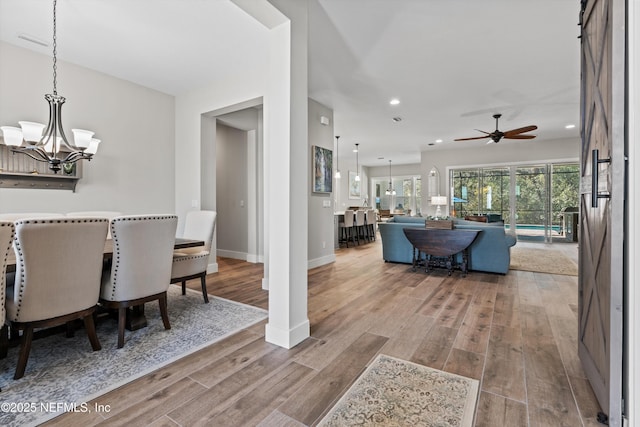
{"x": 20, "y": 171}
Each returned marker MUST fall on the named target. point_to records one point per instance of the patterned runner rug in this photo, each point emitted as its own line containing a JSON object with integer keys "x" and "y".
{"x": 395, "y": 392}
{"x": 64, "y": 371}
{"x": 542, "y": 261}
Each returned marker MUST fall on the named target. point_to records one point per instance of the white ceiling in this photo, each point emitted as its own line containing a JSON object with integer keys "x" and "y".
{"x": 451, "y": 63}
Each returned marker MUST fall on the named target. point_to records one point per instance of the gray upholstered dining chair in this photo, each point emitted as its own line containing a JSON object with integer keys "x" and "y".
{"x": 57, "y": 277}
{"x": 96, "y": 214}
{"x": 191, "y": 263}
{"x": 141, "y": 265}
{"x": 7, "y": 233}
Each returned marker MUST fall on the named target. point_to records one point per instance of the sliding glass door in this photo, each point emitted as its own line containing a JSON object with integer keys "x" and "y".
{"x": 539, "y": 201}
{"x": 532, "y": 219}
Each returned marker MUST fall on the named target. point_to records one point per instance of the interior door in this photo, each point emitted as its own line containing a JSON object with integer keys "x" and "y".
{"x": 600, "y": 339}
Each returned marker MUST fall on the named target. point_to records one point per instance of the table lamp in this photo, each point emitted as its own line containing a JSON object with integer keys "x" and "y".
{"x": 439, "y": 201}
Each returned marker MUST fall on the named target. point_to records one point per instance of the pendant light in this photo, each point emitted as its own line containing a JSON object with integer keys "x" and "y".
{"x": 357, "y": 164}
{"x": 337, "y": 159}
{"x": 390, "y": 191}
{"x": 49, "y": 143}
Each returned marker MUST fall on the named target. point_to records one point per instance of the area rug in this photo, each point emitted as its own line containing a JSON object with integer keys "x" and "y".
{"x": 542, "y": 261}
{"x": 395, "y": 392}
{"x": 65, "y": 371}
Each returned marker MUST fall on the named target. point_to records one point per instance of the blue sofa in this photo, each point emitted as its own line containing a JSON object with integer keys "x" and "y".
{"x": 490, "y": 251}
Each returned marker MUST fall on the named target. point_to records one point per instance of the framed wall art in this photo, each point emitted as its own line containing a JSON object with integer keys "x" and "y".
{"x": 354, "y": 186}
{"x": 322, "y": 169}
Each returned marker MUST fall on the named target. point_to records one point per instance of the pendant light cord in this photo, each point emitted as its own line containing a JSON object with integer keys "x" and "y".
{"x": 55, "y": 50}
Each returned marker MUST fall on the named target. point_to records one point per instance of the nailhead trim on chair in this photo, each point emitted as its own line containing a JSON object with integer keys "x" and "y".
{"x": 42, "y": 221}
{"x": 4, "y": 262}
{"x": 188, "y": 257}
{"x": 116, "y": 247}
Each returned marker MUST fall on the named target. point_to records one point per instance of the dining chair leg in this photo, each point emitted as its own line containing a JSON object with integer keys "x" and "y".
{"x": 90, "y": 327}
{"x": 203, "y": 282}
{"x": 162, "y": 302}
{"x": 4, "y": 341}
{"x": 122, "y": 319}
{"x": 25, "y": 348}
{"x": 71, "y": 329}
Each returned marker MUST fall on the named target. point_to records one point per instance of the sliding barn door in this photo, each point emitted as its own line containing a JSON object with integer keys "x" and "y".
{"x": 602, "y": 201}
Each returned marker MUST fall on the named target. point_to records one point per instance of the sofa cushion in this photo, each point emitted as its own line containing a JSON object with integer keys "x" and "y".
{"x": 408, "y": 219}
{"x": 489, "y": 252}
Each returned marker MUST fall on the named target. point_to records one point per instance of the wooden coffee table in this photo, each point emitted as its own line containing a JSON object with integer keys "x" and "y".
{"x": 434, "y": 247}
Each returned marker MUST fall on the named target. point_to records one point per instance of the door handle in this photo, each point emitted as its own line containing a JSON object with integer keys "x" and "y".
{"x": 595, "y": 194}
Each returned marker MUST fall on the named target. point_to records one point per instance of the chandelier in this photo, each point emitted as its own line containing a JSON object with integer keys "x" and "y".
{"x": 390, "y": 191}
{"x": 49, "y": 143}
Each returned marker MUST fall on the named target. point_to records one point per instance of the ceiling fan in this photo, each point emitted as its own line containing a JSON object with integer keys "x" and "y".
{"x": 497, "y": 135}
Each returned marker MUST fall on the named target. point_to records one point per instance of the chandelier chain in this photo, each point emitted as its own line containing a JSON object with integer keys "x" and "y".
{"x": 55, "y": 51}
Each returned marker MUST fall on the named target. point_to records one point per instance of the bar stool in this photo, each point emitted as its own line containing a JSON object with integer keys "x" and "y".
{"x": 360, "y": 225}
{"x": 372, "y": 223}
{"x": 347, "y": 227}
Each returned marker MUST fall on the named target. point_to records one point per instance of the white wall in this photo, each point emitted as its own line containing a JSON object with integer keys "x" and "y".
{"x": 321, "y": 218}
{"x": 342, "y": 199}
{"x": 232, "y": 192}
{"x": 133, "y": 171}
{"x": 493, "y": 154}
{"x": 194, "y": 128}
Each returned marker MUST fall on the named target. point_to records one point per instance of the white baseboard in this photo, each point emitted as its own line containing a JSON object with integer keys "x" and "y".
{"x": 255, "y": 259}
{"x": 287, "y": 338}
{"x": 231, "y": 254}
{"x": 317, "y": 262}
{"x": 212, "y": 268}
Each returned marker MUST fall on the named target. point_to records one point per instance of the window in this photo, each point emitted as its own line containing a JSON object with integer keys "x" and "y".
{"x": 408, "y": 193}
{"x": 535, "y": 204}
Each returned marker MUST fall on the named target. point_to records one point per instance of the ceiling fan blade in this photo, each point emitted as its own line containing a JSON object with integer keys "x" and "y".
{"x": 469, "y": 139}
{"x": 519, "y": 136}
{"x": 488, "y": 133}
{"x": 520, "y": 130}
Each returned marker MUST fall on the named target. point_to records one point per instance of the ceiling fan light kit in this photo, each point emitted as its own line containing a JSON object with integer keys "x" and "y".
{"x": 497, "y": 135}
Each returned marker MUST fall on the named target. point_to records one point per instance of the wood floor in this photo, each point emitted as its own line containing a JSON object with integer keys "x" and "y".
{"x": 515, "y": 333}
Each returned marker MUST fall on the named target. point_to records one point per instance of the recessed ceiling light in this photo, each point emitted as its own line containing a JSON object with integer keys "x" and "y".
{"x": 394, "y": 101}
{"x": 569, "y": 126}
{"x": 397, "y": 119}
{"x": 438, "y": 141}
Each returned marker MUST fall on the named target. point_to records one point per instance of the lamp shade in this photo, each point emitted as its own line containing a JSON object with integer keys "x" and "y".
{"x": 50, "y": 147}
{"x": 439, "y": 200}
{"x": 32, "y": 131}
{"x": 82, "y": 138}
{"x": 12, "y": 135}
{"x": 93, "y": 147}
